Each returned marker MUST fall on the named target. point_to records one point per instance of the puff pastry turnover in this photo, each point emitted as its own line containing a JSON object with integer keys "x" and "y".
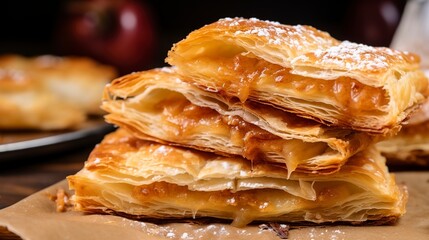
{"x": 143, "y": 180}
{"x": 411, "y": 145}
{"x": 50, "y": 92}
{"x": 303, "y": 70}
{"x": 159, "y": 106}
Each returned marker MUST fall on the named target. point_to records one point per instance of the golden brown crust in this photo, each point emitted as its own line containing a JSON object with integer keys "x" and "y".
{"x": 49, "y": 92}
{"x": 369, "y": 65}
{"x": 288, "y": 41}
{"x": 145, "y": 179}
{"x": 410, "y": 147}
{"x": 420, "y": 115}
{"x": 252, "y": 88}
{"x": 305, "y": 71}
{"x": 158, "y": 106}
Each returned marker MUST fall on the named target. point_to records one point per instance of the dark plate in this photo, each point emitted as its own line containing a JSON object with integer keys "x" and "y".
{"x": 30, "y": 144}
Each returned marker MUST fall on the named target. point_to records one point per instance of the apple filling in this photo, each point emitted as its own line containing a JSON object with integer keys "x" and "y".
{"x": 184, "y": 121}
{"x": 256, "y": 75}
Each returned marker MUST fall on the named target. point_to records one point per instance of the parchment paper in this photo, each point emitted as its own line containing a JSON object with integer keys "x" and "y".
{"x": 36, "y": 218}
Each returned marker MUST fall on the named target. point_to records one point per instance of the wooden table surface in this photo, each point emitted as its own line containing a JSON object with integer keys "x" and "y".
{"x": 23, "y": 177}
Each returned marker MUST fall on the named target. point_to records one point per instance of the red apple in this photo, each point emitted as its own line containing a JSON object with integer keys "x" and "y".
{"x": 117, "y": 32}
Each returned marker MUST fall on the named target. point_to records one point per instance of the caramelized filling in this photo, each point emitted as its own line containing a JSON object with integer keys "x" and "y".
{"x": 254, "y": 141}
{"x": 242, "y": 206}
{"x": 257, "y": 199}
{"x": 190, "y": 119}
{"x": 255, "y": 73}
{"x": 290, "y": 119}
{"x": 160, "y": 190}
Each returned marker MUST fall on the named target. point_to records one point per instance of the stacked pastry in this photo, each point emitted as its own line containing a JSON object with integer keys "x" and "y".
{"x": 255, "y": 121}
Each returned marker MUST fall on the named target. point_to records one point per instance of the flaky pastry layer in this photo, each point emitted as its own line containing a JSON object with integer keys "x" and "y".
{"x": 303, "y": 70}
{"x": 157, "y": 105}
{"x": 409, "y": 147}
{"x": 143, "y": 179}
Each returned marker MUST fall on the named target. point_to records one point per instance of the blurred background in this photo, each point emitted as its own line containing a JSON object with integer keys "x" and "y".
{"x": 136, "y": 34}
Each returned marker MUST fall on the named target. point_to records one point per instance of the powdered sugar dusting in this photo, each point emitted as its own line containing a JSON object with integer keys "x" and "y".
{"x": 296, "y": 37}
{"x": 167, "y": 69}
{"x": 237, "y": 20}
{"x": 302, "y": 45}
{"x": 352, "y": 56}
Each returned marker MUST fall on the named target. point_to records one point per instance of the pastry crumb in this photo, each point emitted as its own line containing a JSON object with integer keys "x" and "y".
{"x": 61, "y": 199}
{"x": 282, "y": 230}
